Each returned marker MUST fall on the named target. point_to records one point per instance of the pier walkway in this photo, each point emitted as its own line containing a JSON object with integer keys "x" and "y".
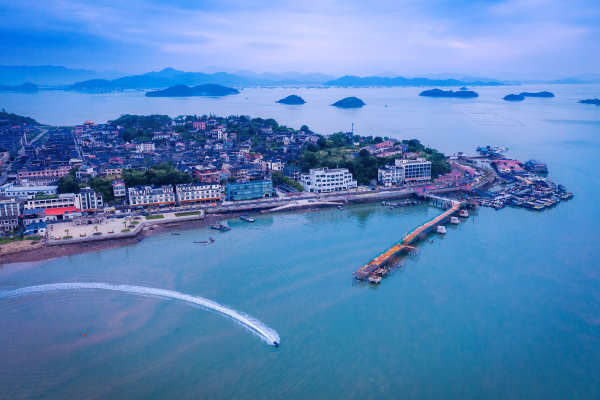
{"x": 406, "y": 243}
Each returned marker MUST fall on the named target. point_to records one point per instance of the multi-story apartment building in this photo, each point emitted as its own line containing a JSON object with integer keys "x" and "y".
{"x": 34, "y": 174}
{"x": 390, "y": 175}
{"x": 405, "y": 171}
{"x": 65, "y": 200}
{"x": 89, "y": 200}
{"x": 9, "y": 214}
{"x": 146, "y": 147}
{"x": 324, "y": 180}
{"x": 141, "y": 196}
{"x": 249, "y": 190}
{"x": 119, "y": 189}
{"x": 418, "y": 170}
{"x": 193, "y": 193}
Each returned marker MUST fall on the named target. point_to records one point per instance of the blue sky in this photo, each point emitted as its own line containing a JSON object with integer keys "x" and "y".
{"x": 509, "y": 38}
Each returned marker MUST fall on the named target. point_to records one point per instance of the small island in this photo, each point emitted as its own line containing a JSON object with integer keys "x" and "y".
{"x": 537, "y": 94}
{"x": 590, "y": 101}
{"x": 292, "y": 99}
{"x": 514, "y": 97}
{"x": 463, "y": 94}
{"x": 349, "y": 102}
{"x": 210, "y": 90}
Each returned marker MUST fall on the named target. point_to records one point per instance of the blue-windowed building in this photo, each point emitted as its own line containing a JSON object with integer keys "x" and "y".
{"x": 250, "y": 190}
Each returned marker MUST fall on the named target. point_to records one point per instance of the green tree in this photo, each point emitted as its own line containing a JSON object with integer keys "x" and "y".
{"x": 68, "y": 183}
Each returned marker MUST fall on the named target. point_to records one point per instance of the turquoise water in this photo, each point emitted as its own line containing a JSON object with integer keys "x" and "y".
{"x": 506, "y": 305}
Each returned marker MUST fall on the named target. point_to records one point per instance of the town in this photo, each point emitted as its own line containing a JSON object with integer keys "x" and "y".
{"x": 98, "y": 181}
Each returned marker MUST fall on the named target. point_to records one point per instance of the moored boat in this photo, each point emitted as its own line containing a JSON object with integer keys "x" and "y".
{"x": 441, "y": 229}
{"x": 454, "y": 220}
{"x": 246, "y": 218}
{"x": 220, "y": 227}
{"x": 464, "y": 213}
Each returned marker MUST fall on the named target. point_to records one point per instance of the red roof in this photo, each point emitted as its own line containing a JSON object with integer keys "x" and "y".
{"x": 60, "y": 210}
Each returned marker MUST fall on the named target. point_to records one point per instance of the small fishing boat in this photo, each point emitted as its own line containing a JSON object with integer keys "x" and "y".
{"x": 441, "y": 229}
{"x": 220, "y": 227}
{"x": 246, "y": 218}
{"x": 209, "y": 241}
{"x": 464, "y": 213}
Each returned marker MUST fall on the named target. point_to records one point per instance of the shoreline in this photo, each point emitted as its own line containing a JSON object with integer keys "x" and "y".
{"x": 46, "y": 252}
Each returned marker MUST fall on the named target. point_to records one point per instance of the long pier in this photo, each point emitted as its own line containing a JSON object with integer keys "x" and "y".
{"x": 406, "y": 244}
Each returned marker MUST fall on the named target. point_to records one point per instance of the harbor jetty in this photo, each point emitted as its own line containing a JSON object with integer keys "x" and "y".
{"x": 379, "y": 266}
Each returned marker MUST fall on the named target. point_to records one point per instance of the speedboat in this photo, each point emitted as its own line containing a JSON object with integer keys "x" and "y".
{"x": 441, "y": 229}
{"x": 454, "y": 220}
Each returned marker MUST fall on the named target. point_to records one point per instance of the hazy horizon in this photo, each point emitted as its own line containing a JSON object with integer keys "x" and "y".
{"x": 511, "y": 39}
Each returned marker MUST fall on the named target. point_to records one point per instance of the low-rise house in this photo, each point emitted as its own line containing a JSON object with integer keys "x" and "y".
{"x": 36, "y": 228}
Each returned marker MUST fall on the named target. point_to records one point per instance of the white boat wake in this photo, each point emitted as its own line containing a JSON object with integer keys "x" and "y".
{"x": 267, "y": 334}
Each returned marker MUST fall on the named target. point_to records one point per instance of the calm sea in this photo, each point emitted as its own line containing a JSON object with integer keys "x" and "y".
{"x": 506, "y": 305}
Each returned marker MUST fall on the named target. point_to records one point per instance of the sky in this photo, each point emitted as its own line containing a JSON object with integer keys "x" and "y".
{"x": 503, "y": 39}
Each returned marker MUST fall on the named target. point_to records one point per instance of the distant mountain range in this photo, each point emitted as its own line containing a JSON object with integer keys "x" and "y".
{"x": 58, "y": 77}
{"x": 357, "y": 81}
{"x": 47, "y": 74}
{"x": 171, "y": 77}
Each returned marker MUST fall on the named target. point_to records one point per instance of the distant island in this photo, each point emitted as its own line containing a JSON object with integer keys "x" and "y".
{"x": 349, "y": 102}
{"x": 521, "y": 96}
{"x": 292, "y": 99}
{"x": 514, "y": 97}
{"x": 24, "y": 88}
{"x": 463, "y": 94}
{"x": 209, "y": 89}
{"x": 357, "y": 81}
{"x": 590, "y": 101}
{"x": 537, "y": 94}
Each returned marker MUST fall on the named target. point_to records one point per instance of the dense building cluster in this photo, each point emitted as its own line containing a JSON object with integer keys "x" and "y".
{"x": 132, "y": 162}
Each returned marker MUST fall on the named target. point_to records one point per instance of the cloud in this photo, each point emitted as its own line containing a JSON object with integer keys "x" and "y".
{"x": 410, "y": 37}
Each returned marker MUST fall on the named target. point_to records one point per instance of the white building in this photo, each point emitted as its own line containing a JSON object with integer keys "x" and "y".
{"x": 146, "y": 147}
{"x": 26, "y": 192}
{"x": 405, "y": 171}
{"x": 89, "y": 200}
{"x": 390, "y": 175}
{"x": 119, "y": 189}
{"x": 324, "y": 180}
{"x": 151, "y": 195}
{"x": 53, "y": 201}
{"x": 418, "y": 170}
{"x": 194, "y": 193}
